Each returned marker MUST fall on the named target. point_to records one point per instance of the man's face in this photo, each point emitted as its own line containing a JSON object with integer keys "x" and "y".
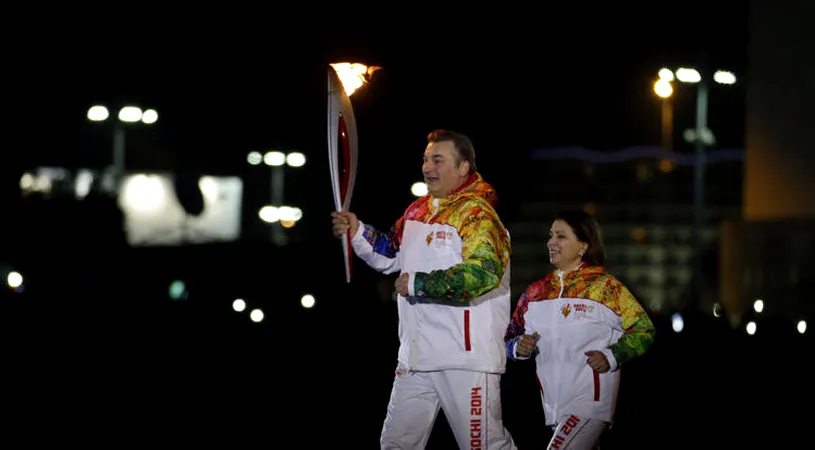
{"x": 441, "y": 174}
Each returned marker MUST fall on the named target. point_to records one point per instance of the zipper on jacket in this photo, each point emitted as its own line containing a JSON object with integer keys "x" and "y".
{"x": 596, "y": 385}
{"x": 560, "y": 276}
{"x": 467, "y": 346}
{"x": 562, "y": 284}
{"x": 435, "y": 210}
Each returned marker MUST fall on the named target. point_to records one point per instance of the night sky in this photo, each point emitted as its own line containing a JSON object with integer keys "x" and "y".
{"x": 513, "y": 80}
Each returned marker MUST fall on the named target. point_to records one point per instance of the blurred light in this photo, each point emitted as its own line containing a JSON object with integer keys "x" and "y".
{"x": 178, "y": 290}
{"x": 758, "y": 305}
{"x": 287, "y": 223}
{"x": 83, "y": 183}
{"x": 296, "y": 159}
{"x": 353, "y": 75}
{"x": 53, "y": 173}
{"x": 143, "y": 192}
{"x": 686, "y": 75}
{"x": 130, "y": 114}
{"x": 717, "y": 310}
{"x": 802, "y": 326}
{"x": 14, "y": 279}
{"x": 663, "y": 88}
{"x": 724, "y": 77}
{"x": 41, "y": 182}
{"x": 209, "y": 188}
{"x": 269, "y": 214}
{"x": 150, "y": 116}
{"x": 290, "y": 213}
{"x": 274, "y": 158}
{"x": 677, "y": 323}
{"x": 307, "y": 301}
{"x": 239, "y": 305}
{"x": 98, "y": 113}
{"x": 419, "y": 189}
{"x": 254, "y": 158}
{"x": 256, "y": 315}
{"x": 751, "y": 328}
{"x": 666, "y": 165}
{"x": 27, "y": 181}
{"x": 666, "y": 74}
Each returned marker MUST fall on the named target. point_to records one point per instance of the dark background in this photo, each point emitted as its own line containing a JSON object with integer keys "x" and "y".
{"x": 94, "y": 350}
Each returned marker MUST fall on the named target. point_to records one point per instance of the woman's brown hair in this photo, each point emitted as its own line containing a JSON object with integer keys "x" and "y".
{"x": 588, "y": 231}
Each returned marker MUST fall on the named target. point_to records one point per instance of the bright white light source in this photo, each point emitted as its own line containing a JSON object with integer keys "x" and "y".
{"x": 686, "y": 75}
{"x": 758, "y": 305}
{"x": 717, "y": 309}
{"x": 14, "y": 280}
{"x": 130, "y": 114}
{"x": 254, "y": 158}
{"x": 256, "y": 315}
{"x": 154, "y": 214}
{"x": 143, "y": 192}
{"x": 150, "y": 116}
{"x": 419, "y": 189}
{"x": 98, "y": 113}
{"x": 663, "y": 88}
{"x": 296, "y": 159}
{"x": 27, "y": 181}
{"x": 677, "y": 323}
{"x": 83, "y": 183}
{"x": 307, "y": 301}
{"x": 724, "y": 77}
{"x": 269, "y": 214}
{"x": 802, "y": 326}
{"x": 239, "y": 305}
{"x": 274, "y": 158}
{"x": 751, "y": 328}
{"x": 290, "y": 213}
{"x": 209, "y": 188}
{"x": 666, "y": 74}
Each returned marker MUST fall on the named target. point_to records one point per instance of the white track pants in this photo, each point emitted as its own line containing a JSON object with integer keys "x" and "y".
{"x": 576, "y": 433}
{"x": 471, "y": 401}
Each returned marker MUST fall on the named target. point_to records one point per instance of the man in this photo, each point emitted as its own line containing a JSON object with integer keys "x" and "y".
{"x": 452, "y": 252}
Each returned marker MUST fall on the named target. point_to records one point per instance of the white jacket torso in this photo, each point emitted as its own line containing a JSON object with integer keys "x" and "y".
{"x": 459, "y": 317}
{"x": 441, "y": 336}
{"x": 575, "y": 312}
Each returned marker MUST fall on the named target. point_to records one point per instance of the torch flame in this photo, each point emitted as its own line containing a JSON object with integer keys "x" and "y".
{"x": 354, "y": 75}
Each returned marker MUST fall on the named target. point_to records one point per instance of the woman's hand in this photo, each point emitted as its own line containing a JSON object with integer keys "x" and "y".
{"x": 597, "y": 361}
{"x": 526, "y": 344}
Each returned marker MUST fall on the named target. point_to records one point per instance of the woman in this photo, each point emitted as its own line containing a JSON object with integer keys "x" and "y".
{"x": 581, "y": 324}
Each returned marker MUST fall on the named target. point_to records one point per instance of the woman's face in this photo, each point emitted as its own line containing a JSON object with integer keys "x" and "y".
{"x": 564, "y": 247}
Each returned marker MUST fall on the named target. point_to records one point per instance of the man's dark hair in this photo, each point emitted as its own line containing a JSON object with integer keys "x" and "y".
{"x": 463, "y": 145}
{"x": 587, "y": 230}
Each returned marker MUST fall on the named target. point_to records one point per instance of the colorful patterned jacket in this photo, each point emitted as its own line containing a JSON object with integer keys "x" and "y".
{"x": 574, "y": 312}
{"x": 456, "y": 252}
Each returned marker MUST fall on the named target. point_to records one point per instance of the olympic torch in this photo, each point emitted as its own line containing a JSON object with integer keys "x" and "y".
{"x": 343, "y": 80}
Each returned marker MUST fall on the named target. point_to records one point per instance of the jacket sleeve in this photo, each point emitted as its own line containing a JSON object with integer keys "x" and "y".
{"x": 485, "y": 254}
{"x": 516, "y": 328}
{"x": 380, "y": 250}
{"x": 638, "y": 330}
